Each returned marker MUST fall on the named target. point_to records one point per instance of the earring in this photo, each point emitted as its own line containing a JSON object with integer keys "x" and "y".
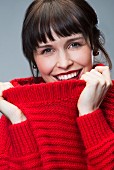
{"x": 34, "y": 66}
{"x": 92, "y": 59}
{"x": 35, "y": 70}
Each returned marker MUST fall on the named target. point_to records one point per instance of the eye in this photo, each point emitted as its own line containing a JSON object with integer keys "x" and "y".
{"x": 74, "y": 45}
{"x": 46, "y": 51}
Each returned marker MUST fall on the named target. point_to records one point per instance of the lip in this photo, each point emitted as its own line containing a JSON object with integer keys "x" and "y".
{"x": 80, "y": 74}
{"x": 70, "y": 72}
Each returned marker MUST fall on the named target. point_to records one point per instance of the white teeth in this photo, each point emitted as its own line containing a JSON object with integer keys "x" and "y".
{"x": 67, "y": 76}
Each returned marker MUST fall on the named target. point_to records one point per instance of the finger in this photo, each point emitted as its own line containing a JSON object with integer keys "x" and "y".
{"x": 94, "y": 78}
{"x": 93, "y": 75}
{"x": 96, "y": 73}
{"x": 105, "y": 71}
{"x": 6, "y": 83}
{"x": 4, "y": 105}
{"x": 101, "y": 69}
{"x": 88, "y": 78}
{"x": 5, "y": 86}
{"x": 12, "y": 112}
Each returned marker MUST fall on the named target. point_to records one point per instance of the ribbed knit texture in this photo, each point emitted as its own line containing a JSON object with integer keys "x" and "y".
{"x": 54, "y": 136}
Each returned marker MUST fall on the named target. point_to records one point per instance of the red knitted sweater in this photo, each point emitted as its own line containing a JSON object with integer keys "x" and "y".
{"x": 54, "y": 137}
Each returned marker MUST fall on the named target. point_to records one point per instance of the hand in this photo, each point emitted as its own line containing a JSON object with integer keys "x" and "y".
{"x": 98, "y": 81}
{"x": 12, "y": 112}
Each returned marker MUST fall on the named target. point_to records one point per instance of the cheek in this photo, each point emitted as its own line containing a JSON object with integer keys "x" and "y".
{"x": 83, "y": 57}
{"x": 85, "y": 60}
{"x": 45, "y": 66}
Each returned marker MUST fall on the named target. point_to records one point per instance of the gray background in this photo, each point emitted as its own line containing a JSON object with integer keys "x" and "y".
{"x": 12, "y": 61}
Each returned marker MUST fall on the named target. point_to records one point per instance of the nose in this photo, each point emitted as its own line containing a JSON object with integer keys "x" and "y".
{"x": 64, "y": 60}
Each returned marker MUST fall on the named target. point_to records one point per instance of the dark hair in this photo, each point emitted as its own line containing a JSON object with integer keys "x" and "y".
{"x": 65, "y": 17}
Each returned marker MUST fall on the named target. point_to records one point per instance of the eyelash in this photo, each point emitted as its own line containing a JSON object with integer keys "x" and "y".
{"x": 77, "y": 44}
{"x": 47, "y": 50}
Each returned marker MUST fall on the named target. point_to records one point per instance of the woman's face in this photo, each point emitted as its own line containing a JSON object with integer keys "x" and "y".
{"x": 63, "y": 59}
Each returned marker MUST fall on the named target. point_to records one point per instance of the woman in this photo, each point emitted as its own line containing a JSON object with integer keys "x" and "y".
{"x": 63, "y": 119}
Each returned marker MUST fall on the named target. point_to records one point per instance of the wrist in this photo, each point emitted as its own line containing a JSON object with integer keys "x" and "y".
{"x": 86, "y": 111}
{"x": 18, "y": 117}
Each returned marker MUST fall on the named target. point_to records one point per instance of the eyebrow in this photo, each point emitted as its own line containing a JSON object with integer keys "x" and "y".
{"x": 74, "y": 39}
{"x": 68, "y": 41}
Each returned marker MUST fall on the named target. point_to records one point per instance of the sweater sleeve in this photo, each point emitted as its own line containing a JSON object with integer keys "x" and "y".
{"x": 18, "y": 146}
{"x": 5, "y": 144}
{"x": 98, "y": 139}
{"x": 24, "y": 147}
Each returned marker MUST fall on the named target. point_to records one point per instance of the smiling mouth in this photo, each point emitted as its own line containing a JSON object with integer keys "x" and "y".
{"x": 70, "y": 75}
